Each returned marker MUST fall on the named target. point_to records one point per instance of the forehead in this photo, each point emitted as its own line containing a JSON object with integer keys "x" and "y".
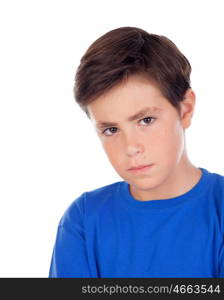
{"x": 127, "y": 98}
{"x": 146, "y": 111}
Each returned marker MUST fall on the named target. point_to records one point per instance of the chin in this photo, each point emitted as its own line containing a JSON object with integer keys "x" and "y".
{"x": 144, "y": 183}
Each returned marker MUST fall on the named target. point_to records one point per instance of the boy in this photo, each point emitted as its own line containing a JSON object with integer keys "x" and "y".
{"x": 166, "y": 219}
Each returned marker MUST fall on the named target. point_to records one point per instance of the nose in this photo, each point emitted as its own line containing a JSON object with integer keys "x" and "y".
{"x": 133, "y": 146}
{"x": 134, "y": 150}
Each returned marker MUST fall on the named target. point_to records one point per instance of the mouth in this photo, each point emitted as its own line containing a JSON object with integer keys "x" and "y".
{"x": 139, "y": 169}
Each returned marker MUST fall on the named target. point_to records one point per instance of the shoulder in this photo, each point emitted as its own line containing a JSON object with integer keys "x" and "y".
{"x": 90, "y": 203}
{"x": 215, "y": 184}
{"x": 218, "y": 185}
{"x": 216, "y": 197}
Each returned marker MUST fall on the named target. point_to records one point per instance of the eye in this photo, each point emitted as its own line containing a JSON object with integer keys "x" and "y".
{"x": 109, "y": 131}
{"x": 147, "y": 121}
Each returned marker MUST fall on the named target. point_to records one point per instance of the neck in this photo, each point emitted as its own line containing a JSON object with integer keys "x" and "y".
{"x": 179, "y": 181}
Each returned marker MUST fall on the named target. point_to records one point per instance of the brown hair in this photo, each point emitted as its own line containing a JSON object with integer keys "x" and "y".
{"x": 129, "y": 50}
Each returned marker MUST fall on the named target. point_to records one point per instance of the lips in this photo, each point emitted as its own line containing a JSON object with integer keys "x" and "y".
{"x": 140, "y": 167}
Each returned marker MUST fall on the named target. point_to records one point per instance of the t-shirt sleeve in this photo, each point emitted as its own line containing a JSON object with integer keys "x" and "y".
{"x": 221, "y": 218}
{"x": 221, "y": 268}
{"x": 69, "y": 258}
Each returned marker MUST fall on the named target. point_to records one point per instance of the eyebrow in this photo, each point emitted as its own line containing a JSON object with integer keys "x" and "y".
{"x": 142, "y": 113}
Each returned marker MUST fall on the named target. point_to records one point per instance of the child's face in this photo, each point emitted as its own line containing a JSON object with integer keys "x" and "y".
{"x": 155, "y": 137}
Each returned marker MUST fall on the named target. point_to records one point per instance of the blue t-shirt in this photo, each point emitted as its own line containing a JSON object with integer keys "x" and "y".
{"x": 107, "y": 233}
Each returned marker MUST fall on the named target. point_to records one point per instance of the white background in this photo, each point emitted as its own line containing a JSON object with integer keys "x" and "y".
{"x": 49, "y": 152}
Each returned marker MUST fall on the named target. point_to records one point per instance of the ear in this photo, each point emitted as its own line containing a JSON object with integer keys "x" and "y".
{"x": 187, "y": 108}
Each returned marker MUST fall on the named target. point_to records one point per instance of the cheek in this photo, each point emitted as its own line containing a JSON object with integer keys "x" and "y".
{"x": 172, "y": 141}
{"x": 112, "y": 152}
{"x": 115, "y": 154}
